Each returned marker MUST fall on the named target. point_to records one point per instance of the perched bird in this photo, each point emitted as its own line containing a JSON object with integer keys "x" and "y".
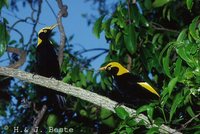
{"x": 132, "y": 89}
{"x": 47, "y": 65}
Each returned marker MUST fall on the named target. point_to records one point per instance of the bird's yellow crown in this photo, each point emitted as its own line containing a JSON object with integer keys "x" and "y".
{"x": 45, "y": 30}
{"x": 109, "y": 66}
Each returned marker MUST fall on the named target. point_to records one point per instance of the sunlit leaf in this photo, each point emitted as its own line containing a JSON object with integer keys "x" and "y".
{"x": 130, "y": 39}
{"x": 191, "y": 113}
{"x": 98, "y": 26}
{"x": 144, "y": 21}
{"x": 106, "y": 27}
{"x": 141, "y": 109}
{"x": 118, "y": 37}
{"x": 182, "y": 35}
{"x": 192, "y": 28}
{"x": 121, "y": 113}
{"x": 159, "y": 3}
{"x": 177, "y": 100}
{"x": 52, "y": 120}
{"x": 106, "y": 118}
{"x": 166, "y": 65}
{"x": 171, "y": 85}
{"x": 178, "y": 67}
{"x": 189, "y": 4}
{"x": 153, "y": 130}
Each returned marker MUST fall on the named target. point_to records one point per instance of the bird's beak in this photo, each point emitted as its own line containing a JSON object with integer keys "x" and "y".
{"x": 53, "y": 26}
{"x": 102, "y": 69}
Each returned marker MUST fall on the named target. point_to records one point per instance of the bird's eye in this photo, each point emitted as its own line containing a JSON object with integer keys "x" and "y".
{"x": 44, "y": 30}
{"x": 108, "y": 68}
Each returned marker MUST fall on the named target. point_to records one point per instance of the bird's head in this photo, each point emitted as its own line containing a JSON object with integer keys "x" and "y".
{"x": 45, "y": 33}
{"x": 114, "y": 68}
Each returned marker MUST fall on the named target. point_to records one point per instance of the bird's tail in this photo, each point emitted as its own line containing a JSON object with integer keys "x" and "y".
{"x": 62, "y": 102}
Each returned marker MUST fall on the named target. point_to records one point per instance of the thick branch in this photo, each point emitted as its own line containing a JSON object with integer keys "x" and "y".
{"x": 79, "y": 93}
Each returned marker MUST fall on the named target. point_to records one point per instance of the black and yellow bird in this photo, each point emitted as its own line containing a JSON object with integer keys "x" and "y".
{"x": 47, "y": 65}
{"x": 131, "y": 87}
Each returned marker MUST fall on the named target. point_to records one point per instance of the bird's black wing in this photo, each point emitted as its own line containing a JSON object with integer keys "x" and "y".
{"x": 47, "y": 65}
{"x": 128, "y": 85}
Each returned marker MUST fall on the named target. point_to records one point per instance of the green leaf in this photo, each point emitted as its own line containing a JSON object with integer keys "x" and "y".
{"x": 166, "y": 66}
{"x": 98, "y": 27}
{"x": 159, "y": 121}
{"x": 4, "y": 37}
{"x": 192, "y": 28}
{"x": 121, "y": 113}
{"x": 176, "y": 102}
{"x": 131, "y": 122}
{"x": 90, "y": 75}
{"x": 171, "y": 85}
{"x": 160, "y": 3}
{"x": 150, "y": 111}
{"x": 191, "y": 113}
{"x": 178, "y": 67}
{"x": 148, "y": 4}
{"x": 130, "y": 39}
{"x": 3, "y": 3}
{"x": 182, "y": 52}
{"x": 52, "y": 120}
{"x": 189, "y": 4}
{"x": 129, "y": 130}
{"x": 83, "y": 113}
{"x": 83, "y": 79}
{"x": 134, "y": 14}
{"x": 12, "y": 42}
{"x": 119, "y": 34}
{"x": 182, "y": 35}
{"x": 168, "y": 14}
{"x": 155, "y": 37}
{"x": 144, "y": 21}
{"x": 153, "y": 130}
{"x": 106, "y": 118}
{"x": 2, "y": 49}
{"x": 141, "y": 109}
{"x": 106, "y": 27}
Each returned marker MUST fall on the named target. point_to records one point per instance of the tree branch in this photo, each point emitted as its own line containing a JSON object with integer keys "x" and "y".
{"x": 62, "y": 13}
{"x": 80, "y": 93}
{"x": 38, "y": 119}
{"x": 19, "y": 52}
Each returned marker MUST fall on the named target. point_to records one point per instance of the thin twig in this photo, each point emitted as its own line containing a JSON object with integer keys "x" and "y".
{"x": 93, "y": 49}
{"x": 51, "y": 8}
{"x": 159, "y": 27}
{"x": 38, "y": 119}
{"x": 35, "y": 23}
{"x": 188, "y": 122}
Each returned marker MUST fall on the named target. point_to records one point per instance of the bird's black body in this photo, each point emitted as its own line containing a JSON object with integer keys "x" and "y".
{"x": 131, "y": 90}
{"x": 47, "y": 65}
{"x": 47, "y": 62}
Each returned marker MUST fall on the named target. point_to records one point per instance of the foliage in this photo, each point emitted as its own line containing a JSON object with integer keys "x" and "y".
{"x": 160, "y": 42}
{"x": 158, "y": 39}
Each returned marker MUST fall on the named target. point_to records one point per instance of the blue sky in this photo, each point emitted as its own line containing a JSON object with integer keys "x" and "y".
{"x": 74, "y": 24}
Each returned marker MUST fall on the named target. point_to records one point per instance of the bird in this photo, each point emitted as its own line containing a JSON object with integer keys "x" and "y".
{"x": 131, "y": 87}
{"x": 47, "y": 65}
